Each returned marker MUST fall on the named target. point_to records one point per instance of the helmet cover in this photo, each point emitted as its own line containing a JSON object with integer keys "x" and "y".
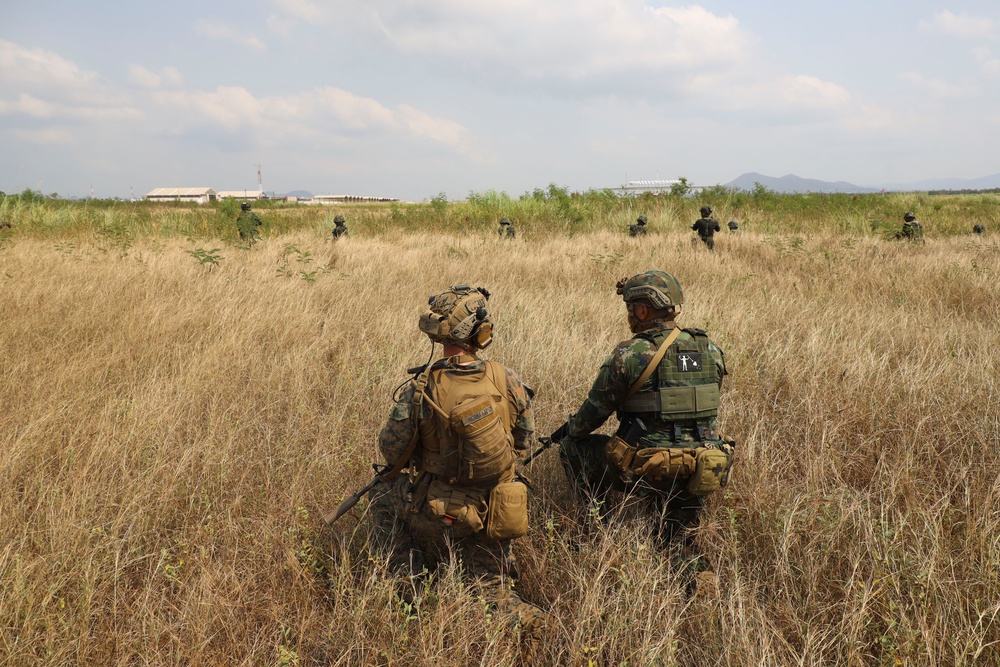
{"x": 458, "y": 316}
{"x": 660, "y": 288}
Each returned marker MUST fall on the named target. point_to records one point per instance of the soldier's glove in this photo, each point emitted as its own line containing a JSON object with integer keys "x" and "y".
{"x": 560, "y": 433}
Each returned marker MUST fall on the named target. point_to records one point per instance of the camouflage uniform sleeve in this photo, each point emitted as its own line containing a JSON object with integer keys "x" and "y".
{"x": 619, "y": 371}
{"x": 524, "y": 423}
{"x": 395, "y": 435}
{"x": 720, "y": 360}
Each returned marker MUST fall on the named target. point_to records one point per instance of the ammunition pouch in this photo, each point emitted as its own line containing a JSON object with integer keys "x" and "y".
{"x": 705, "y": 469}
{"x": 508, "y": 511}
{"x": 619, "y": 453}
{"x": 462, "y": 509}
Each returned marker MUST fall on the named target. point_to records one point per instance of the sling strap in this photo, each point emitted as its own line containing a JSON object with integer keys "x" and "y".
{"x": 653, "y": 363}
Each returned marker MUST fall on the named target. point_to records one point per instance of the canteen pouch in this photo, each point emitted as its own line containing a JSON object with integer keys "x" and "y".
{"x": 508, "y": 511}
{"x": 661, "y": 464}
{"x": 711, "y": 471}
{"x": 462, "y": 509}
{"x": 485, "y": 449}
{"x": 619, "y": 453}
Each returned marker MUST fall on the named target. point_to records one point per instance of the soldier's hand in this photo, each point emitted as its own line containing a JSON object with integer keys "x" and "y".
{"x": 560, "y": 433}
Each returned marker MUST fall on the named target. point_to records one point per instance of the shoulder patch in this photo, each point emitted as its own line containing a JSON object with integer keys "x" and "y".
{"x": 400, "y": 411}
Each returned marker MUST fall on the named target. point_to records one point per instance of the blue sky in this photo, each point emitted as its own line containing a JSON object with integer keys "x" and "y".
{"x": 413, "y": 98}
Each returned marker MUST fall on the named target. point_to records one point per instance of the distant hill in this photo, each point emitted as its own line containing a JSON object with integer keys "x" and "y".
{"x": 792, "y": 183}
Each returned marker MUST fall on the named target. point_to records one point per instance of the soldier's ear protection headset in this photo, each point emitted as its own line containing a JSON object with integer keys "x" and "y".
{"x": 466, "y": 321}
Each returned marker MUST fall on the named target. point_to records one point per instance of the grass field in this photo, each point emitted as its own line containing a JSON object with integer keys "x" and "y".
{"x": 177, "y": 413}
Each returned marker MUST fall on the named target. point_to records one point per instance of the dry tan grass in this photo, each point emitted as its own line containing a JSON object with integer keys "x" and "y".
{"x": 169, "y": 436}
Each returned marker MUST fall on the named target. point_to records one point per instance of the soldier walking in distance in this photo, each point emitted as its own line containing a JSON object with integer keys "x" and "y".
{"x": 733, "y": 226}
{"x": 506, "y": 230}
{"x": 706, "y": 226}
{"x": 340, "y": 228}
{"x": 978, "y": 229}
{"x": 639, "y": 228}
{"x": 455, "y": 433}
{"x": 248, "y": 223}
{"x": 663, "y": 384}
{"x": 912, "y": 230}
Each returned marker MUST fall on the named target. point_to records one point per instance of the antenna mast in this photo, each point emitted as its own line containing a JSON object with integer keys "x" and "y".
{"x": 260, "y": 179}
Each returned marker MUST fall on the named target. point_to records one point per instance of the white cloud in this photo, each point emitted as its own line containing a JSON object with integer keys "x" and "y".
{"x": 326, "y": 111}
{"x": 279, "y": 26}
{"x": 41, "y": 69}
{"x": 992, "y": 67}
{"x": 963, "y": 26}
{"x": 144, "y": 78}
{"x": 942, "y": 90}
{"x": 224, "y": 33}
{"x": 809, "y": 92}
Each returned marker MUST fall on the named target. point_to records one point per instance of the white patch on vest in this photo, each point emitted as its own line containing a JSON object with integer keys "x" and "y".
{"x": 482, "y": 414}
{"x": 688, "y": 362}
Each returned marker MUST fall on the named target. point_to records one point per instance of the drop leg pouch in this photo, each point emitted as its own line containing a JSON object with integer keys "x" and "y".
{"x": 508, "y": 511}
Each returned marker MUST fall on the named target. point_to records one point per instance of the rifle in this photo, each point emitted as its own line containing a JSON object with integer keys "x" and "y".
{"x": 547, "y": 441}
{"x": 380, "y": 470}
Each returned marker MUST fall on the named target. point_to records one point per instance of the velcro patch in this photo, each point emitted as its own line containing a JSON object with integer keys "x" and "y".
{"x": 688, "y": 362}
{"x": 482, "y": 414}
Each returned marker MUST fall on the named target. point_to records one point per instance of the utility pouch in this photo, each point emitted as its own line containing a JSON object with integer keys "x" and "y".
{"x": 485, "y": 449}
{"x": 665, "y": 465}
{"x": 711, "y": 471}
{"x": 619, "y": 453}
{"x": 508, "y": 511}
{"x": 462, "y": 509}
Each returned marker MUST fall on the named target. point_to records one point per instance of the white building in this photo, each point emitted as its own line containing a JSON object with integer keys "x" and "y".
{"x": 241, "y": 194}
{"x": 196, "y": 195}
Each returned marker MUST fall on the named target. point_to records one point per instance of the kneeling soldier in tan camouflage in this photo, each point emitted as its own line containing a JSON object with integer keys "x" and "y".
{"x": 664, "y": 384}
{"x": 459, "y": 426}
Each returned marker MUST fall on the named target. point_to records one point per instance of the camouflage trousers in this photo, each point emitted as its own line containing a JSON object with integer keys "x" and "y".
{"x": 415, "y": 542}
{"x": 709, "y": 241}
{"x": 677, "y": 510}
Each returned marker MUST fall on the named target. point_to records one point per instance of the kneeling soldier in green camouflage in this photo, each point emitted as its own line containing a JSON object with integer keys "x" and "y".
{"x": 664, "y": 384}
{"x": 456, "y": 432}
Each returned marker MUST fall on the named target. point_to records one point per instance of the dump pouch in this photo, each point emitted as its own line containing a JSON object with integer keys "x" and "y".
{"x": 486, "y": 449}
{"x": 462, "y": 509}
{"x": 664, "y": 465}
{"x": 508, "y": 511}
{"x": 619, "y": 453}
{"x": 711, "y": 471}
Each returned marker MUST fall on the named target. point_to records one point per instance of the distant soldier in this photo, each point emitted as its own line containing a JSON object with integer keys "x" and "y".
{"x": 639, "y": 228}
{"x": 247, "y": 224}
{"x": 733, "y": 226}
{"x": 506, "y": 230}
{"x": 341, "y": 227}
{"x": 976, "y": 229}
{"x": 5, "y": 225}
{"x": 912, "y": 230}
{"x": 706, "y": 226}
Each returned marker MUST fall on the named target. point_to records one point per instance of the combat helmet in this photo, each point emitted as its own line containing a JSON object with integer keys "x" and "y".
{"x": 978, "y": 229}
{"x": 641, "y": 220}
{"x": 660, "y": 288}
{"x": 733, "y": 225}
{"x": 504, "y": 221}
{"x": 338, "y": 220}
{"x": 245, "y": 206}
{"x": 909, "y": 217}
{"x": 458, "y": 316}
{"x": 705, "y": 211}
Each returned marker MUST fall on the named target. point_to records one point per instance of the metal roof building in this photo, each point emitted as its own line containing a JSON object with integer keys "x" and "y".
{"x": 341, "y": 199}
{"x": 196, "y": 195}
{"x": 241, "y": 194}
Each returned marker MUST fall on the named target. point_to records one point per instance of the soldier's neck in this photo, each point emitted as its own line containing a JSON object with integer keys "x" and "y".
{"x": 456, "y": 351}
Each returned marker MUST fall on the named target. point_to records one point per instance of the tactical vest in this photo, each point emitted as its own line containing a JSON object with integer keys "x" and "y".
{"x": 468, "y": 441}
{"x": 686, "y": 382}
